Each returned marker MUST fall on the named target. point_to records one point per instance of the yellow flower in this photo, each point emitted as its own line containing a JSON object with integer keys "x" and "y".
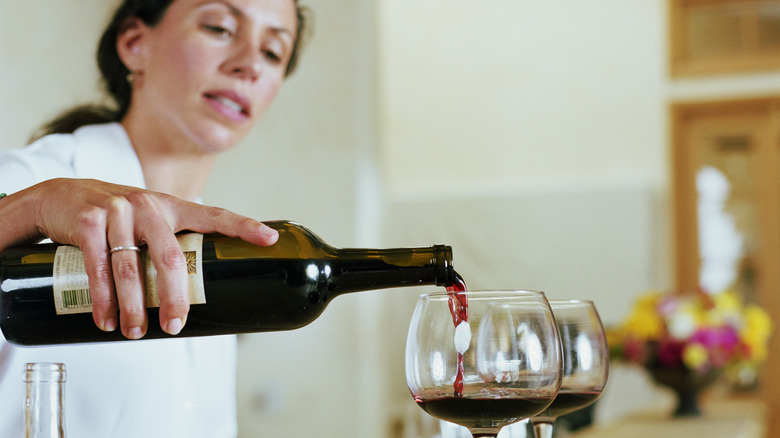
{"x": 694, "y": 356}
{"x": 727, "y": 310}
{"x": 757, "y": 320}
{"x": 756, "y": 331}
{"x": 728, "y": 302}
{"x": 648, "y": 300}
{"x": 644, "y": 324}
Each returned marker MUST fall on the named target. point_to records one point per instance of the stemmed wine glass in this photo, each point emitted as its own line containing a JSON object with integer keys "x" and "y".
{"x": 585, "y": 362}
{"x": 483, "y": 359}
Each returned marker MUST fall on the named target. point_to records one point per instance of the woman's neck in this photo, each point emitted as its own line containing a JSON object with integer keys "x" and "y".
{"x": 170, "y": 163}
{"x": 183, "y": 177}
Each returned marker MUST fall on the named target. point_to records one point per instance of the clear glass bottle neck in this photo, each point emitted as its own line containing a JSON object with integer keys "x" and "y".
{"x": 44, "y": 403}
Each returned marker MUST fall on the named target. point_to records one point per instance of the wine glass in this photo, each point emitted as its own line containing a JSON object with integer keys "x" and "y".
{"x": 585, "y": 362}
{"x": 483, "y": 359}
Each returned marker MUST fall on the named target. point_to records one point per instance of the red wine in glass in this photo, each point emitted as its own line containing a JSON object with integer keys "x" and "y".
{"x": 459, "y": 308}
{"x": 496, "y": 383}
{"x": 480, "y": 412}
{"x": 585, "y": 361}
{"x": 568, "y": 401}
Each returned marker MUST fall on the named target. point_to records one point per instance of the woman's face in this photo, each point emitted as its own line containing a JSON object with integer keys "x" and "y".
{"x": 210, "y": 68}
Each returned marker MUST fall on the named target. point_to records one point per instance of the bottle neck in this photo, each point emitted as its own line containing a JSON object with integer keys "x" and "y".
{"x": 43, "y": 409}
{"x": 362, "y": 269}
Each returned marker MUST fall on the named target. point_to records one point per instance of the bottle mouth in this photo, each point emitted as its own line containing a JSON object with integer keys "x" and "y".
{"x": 44, "y": 372}
{"x": 442, "y": 260}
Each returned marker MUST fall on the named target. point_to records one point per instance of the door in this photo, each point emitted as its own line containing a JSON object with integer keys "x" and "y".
{"x": 726, "y": 189}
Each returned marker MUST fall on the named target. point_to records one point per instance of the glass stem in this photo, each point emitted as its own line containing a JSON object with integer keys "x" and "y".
{"x": 543, "y": 430}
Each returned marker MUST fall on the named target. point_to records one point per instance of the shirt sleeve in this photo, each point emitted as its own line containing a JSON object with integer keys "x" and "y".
{"x": 47, "y": 158}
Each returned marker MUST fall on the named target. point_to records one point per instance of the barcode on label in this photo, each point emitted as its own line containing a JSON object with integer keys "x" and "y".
{"x": 76, "y": 299}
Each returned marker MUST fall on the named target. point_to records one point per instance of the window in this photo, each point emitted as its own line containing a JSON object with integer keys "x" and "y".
{"x": 723, "y": 36}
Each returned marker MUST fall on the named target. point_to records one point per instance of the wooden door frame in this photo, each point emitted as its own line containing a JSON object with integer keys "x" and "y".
{"x": 686, "y": 248}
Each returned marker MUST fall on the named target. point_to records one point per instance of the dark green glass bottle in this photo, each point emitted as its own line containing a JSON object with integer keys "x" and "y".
{"x": 246, "y": 288}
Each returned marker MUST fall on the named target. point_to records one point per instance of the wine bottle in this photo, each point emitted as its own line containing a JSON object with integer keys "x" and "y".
{"x": 235, "y": 287}
{"x": 44, "y": 414}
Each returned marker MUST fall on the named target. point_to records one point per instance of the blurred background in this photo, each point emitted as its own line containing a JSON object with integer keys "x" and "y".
{"x": 536, "y": 138}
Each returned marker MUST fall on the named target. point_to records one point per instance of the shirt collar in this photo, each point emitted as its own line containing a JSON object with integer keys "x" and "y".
{"x": 105, "y": 153}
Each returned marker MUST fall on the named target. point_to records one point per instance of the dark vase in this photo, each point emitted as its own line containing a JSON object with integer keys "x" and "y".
{"x": 687, "y": 385}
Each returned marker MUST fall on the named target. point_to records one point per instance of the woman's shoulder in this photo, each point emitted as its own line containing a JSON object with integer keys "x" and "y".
{"x": 53, "y": 156}
{"x": 57, "y": 146}
{"x": 46, "y": 158}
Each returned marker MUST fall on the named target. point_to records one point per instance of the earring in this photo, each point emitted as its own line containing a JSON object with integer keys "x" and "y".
{"x": 130, "y": 78}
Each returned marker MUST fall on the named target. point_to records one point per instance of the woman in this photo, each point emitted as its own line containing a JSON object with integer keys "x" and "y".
{"x": 190, "y": 78}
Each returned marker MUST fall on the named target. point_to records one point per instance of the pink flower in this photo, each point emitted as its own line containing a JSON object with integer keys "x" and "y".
{"x": 668, "y": 305}
{"x": 722, "y": 343}
{"x": 717, "y": 337}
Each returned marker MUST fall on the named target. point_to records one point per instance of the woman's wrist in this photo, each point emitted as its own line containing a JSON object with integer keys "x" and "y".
{"x": 18, "y": 220}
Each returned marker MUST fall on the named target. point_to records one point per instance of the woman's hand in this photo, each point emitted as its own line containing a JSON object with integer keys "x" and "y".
{"x": 97, "y": 216}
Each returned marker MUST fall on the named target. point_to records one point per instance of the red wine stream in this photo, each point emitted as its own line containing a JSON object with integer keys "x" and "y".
{"x": 459, "y": 308}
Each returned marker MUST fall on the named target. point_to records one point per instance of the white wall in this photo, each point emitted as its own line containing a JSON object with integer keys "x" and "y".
{"x": 46, "y": 61}
{"x": 516, "y": 94}
{"x": 532, "y": 137}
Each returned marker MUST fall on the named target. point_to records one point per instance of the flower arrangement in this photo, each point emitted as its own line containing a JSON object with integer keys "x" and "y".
{"x": 694, "y": 331}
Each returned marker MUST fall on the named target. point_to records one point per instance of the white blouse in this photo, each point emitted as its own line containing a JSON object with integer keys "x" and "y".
{"x": 148, "y": 388}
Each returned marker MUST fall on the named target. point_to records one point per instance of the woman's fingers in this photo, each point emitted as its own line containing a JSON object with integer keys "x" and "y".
{"x": 98, "y": 216}
{"x": 202, "y": 219}
{"x": 129, "y": 293}
{"x": 88, "y": 232}
{"x": 169, "y": 260}
{"x": 171, "y": 266}
{"x": 126, "y": 268}
{"x": 101, "y": 283}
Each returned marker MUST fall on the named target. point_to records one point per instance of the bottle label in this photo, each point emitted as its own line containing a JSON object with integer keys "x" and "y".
{"x": 71, "y": 286}
{"x": 71, "y": 289}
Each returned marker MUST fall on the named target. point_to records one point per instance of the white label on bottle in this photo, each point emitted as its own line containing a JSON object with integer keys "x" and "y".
{"x": 71, "y": 285}
{"x": 191, "y": 244}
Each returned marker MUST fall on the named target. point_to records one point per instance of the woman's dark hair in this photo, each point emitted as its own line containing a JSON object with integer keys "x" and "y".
{"x": 114, "y": 73}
